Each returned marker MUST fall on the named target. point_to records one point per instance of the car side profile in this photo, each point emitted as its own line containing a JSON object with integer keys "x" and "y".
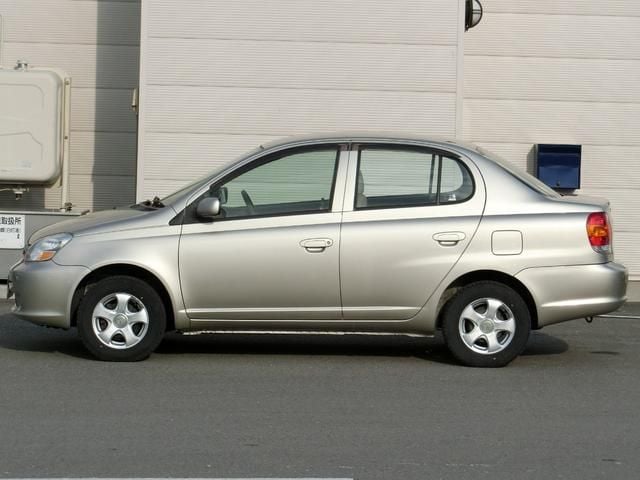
{"x": 352, "y": 233}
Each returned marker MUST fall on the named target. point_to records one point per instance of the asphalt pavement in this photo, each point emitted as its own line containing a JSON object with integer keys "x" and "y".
{"x": 310, "y": 406}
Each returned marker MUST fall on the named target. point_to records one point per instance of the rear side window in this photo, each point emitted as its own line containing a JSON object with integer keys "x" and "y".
{"x": 393, "y": 177}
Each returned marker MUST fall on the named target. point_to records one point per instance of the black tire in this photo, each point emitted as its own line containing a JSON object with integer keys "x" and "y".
{"x": 480, "y": 340}
{"x": 140, "y": 302}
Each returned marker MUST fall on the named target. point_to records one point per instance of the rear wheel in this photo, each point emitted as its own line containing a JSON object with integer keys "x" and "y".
{"x": 122, "y": 319}
{"x": 486, "y": 324}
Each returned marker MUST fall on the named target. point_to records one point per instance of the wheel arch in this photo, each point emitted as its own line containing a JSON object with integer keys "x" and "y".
{"x": 123, "y": 269}
{"x": 495, "y": 276}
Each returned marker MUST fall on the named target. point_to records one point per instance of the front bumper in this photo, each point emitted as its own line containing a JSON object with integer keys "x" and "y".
{"x": 575, "y": 291}
{"x": 43, "y": 291}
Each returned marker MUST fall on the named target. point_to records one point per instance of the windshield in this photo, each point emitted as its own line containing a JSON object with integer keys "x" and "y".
{"x": 192, "y": 185}
{"x": 156, "y": 202}
{"x": 520, "y": 174}
{"x": 201, "y": 181}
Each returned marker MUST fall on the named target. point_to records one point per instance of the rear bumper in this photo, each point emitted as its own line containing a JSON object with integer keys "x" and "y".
{"x": 575, "y": 291}
{"x": 43, "y": 291}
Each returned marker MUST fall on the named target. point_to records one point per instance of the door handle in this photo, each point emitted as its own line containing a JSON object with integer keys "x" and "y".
{"x": 316, "y": 245}
{"x": 449, "y": 239}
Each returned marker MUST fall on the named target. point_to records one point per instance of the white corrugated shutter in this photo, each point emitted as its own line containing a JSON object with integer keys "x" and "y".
{"x": 218, "y": 77}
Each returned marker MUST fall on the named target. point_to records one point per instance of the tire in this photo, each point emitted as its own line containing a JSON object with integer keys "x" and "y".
{"x": 121, "y": 319}
{"x": 486, "y": 324}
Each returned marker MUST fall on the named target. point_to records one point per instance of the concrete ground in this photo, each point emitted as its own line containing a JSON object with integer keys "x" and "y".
{"x": 350, "y": 407}
{"x": 629, "y": 309}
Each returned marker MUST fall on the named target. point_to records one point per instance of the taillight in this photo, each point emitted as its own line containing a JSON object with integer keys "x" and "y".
{"x": 599, "y": 231}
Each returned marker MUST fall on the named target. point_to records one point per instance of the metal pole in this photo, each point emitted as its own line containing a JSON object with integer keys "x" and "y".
{"x": 66, "y": 129}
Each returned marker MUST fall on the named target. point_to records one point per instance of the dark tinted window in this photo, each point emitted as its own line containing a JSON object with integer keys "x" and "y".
{"x": 390, "y": 177}
{"x": 298, "y": 182}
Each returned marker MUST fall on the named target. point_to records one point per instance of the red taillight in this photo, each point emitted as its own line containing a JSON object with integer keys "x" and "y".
{"x": 599, "y": 231}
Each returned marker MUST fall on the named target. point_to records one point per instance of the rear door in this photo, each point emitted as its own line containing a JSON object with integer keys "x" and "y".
{"x": 409, "y": 214}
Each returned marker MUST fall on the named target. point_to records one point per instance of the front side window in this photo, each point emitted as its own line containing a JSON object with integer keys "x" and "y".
{"x": 395, "y": 177}
{"x": 298, "y": 182}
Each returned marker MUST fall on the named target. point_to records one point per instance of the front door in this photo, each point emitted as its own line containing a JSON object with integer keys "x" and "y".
{"x": 273, "y": 253}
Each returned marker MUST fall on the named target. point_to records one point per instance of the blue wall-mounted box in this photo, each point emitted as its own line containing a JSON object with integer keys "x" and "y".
{"x": 559, "y": 165}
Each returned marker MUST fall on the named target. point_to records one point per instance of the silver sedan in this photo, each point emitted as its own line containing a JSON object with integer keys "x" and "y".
{"x": 338, "y": 233}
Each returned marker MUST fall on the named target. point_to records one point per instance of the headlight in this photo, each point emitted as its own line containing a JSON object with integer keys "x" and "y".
{"x": 46, "y": 248}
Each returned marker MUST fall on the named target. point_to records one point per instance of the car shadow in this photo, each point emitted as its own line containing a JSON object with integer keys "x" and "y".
{"x": 21, "y": 336}
{"x": 432, "y": 349}
{"x": 307, "y": 344}
{"x": 542, "y": 344}
{"x": 32, "y": 338}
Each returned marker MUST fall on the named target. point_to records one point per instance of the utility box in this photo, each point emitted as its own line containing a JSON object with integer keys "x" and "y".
{"x": 32, "y": 103}
{"x": 34, "y": 150}
{"x": 559, "y": 165}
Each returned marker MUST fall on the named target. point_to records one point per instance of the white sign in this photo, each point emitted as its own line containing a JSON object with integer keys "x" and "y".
{"x": 11, "y": 231}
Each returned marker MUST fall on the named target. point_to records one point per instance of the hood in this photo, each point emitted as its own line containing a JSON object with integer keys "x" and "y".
{"x": 125, "y": 218}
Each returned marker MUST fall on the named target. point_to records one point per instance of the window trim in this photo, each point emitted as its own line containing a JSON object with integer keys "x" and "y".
{"x": 188, "y": 215}
{"x": 413, "y": 148}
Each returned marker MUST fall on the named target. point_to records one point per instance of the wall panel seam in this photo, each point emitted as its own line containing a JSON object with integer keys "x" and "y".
{"x": 542, "y": 99}
{"x": 553, "y": 57}
{"x": 324, "y": 42}
{"x": 590, "y": 144}
{"x": 84, "y": 44}
{"x": 557, "y": 14}
{"x": 323, "y": 89}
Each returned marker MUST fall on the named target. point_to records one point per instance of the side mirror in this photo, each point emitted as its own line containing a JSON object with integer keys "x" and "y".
{"x": 208, "y": 207}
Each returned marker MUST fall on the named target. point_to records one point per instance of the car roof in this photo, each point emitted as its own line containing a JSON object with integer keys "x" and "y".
{"x": 369, "y": 136}
{"x": 399, "y": 138}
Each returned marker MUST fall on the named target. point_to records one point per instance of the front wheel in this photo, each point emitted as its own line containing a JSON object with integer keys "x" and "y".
{"x": 486, "y": 324}
{"x": 121, "y": 319}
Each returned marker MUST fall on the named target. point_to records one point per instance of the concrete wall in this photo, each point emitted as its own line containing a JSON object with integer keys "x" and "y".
{"x": 219, "y": 77}
{"x": 563, "y": 72}
{"x": 97, "y": 43}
